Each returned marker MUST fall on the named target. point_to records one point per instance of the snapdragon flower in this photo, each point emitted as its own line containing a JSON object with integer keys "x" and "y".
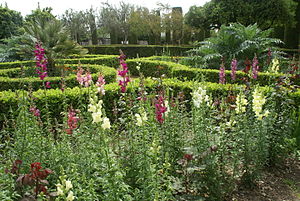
{"x": 199, "y": 96}
{"x": 241, "y": 103}
{"x": 255, "y": 68}
{"x": 233, "y": 69}
{"x": 222, "y": 74}
{"x": 257, "y": 104}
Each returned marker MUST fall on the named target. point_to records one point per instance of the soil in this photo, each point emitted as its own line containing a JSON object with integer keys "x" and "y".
{"x": 278, "y": 184}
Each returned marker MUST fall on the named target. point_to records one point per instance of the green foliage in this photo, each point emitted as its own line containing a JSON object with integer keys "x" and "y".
{"x": 234, "y": 41}
{"x": 11, "y": 21}
{"x": 35, "y": 83}
{"x": 266, "y": 13}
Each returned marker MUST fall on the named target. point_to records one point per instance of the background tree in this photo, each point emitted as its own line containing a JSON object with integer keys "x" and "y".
{"x": 116, "y": 20}
{"x": 75, "y": 22}
{"x": 10, "y": 22}
{"x": 90, "y": 18}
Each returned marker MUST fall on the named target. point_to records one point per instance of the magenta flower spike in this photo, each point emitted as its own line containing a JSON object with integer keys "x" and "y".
{"x": 41, "y": 61}
{"x": 160, "y": 109}
{"x": 233, "y": 69}
{"x": 222, "y": 78}
{"x": 123, "y": 73}
{"x": 255, "y": 68}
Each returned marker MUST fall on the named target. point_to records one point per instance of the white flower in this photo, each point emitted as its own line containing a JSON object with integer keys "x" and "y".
{"x": 200, "y": 96}
{"x": 92, "y": 108}
{"x": 144, "y": 116}
{"x": 167, "y": 106}
{"x": 70, "y": 196}
{"x": 106, "y": 123}
{"x": 68, "y": 185}
{"x": 97, "y": 116}
{"x": 139, "y": 120}
{"x": 59, "y": 189}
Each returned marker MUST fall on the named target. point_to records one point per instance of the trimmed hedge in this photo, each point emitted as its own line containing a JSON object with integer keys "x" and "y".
{"x": 35, "y": 83}
{"x": 153, "y": 68}
{"x": 108, "y": 60}
{"x": 16, "y": 64}
{"x": 55, "y": 98}
{"x": 133, "y": 51}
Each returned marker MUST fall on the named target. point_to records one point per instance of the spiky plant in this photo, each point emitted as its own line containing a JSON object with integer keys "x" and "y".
{"x": 234, "y": 41}
{"x": 54, "y": 38}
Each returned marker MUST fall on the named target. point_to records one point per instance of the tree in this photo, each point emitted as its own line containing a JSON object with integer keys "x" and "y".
{"x": 90, "y": 16}
{"x": 44, "y": 13}
{"x": 116, "y": 20}
{"x": 266, "y": 13}
{"x": 10, "y": 22}
{"x": 75, "y": 22}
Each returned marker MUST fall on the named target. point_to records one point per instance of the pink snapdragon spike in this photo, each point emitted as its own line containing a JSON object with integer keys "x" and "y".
{"x": 222, "y": 78}
{"x": 233, "y": 69}
{"x": 100, "y": 84}
{"x": 123, "y": 73}
{"x": 47, "y": 84}
{"x": 35, "y": 111}
{"x": 72, "y": 121}
{"x": 160, "y": 109}
{"x": 41, "y": 61}
{"x": 84, "y": 79}
{"x": 255, "y": 68}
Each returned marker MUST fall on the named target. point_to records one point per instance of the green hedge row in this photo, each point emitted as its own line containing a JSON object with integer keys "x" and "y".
{"x": 35, "y": 83}
{"x": 108, "y": 60}
{"x": 133, "y": 51}
{"x": 55, "y": 98}
{"x": 154, "y": 68}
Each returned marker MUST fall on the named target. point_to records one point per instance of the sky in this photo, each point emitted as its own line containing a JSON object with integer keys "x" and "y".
{"x": 59, "y": 6}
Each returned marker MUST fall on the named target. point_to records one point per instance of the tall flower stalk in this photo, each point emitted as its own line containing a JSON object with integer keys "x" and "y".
{"x": 41, "y": 61}
{"x": 123, "y": 72}
{"x": 222, "y": 75}
{"x": 160, "y": 109}
{"x": 255, "y": 68}
{"x": 233, "y": 69}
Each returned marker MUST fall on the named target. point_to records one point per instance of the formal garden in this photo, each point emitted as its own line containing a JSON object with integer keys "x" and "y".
{"x": 146, "y": 122}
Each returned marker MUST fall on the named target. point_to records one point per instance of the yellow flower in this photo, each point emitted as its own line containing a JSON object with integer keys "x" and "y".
{"x": 257, "y": 104}
{"x": 139, "y": 120}
{"x": 106, "y": 123}
{"x": 70, "y": 196}
{"x": 59, "y": 189}
{"x": 241, "y": 103}
{"x": 97, "y": 116}
{"x": 68, "y": 185}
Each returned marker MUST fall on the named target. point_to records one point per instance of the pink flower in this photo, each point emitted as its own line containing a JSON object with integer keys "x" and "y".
{"x": 72, "y": 121}
{"x": 222, "y": 78}
{"x": 100, "y": 84}
{"x": 255, "y": 68}
{"x": 41, "y": 61}
{"x": 123, "y": 73}
{"x": 83, "y": 79}
{"x": 35, "y": 111}
{"x": 233, "y": 69}
{"x": 47, "y": 84}
{"x": 160, "y": 109}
